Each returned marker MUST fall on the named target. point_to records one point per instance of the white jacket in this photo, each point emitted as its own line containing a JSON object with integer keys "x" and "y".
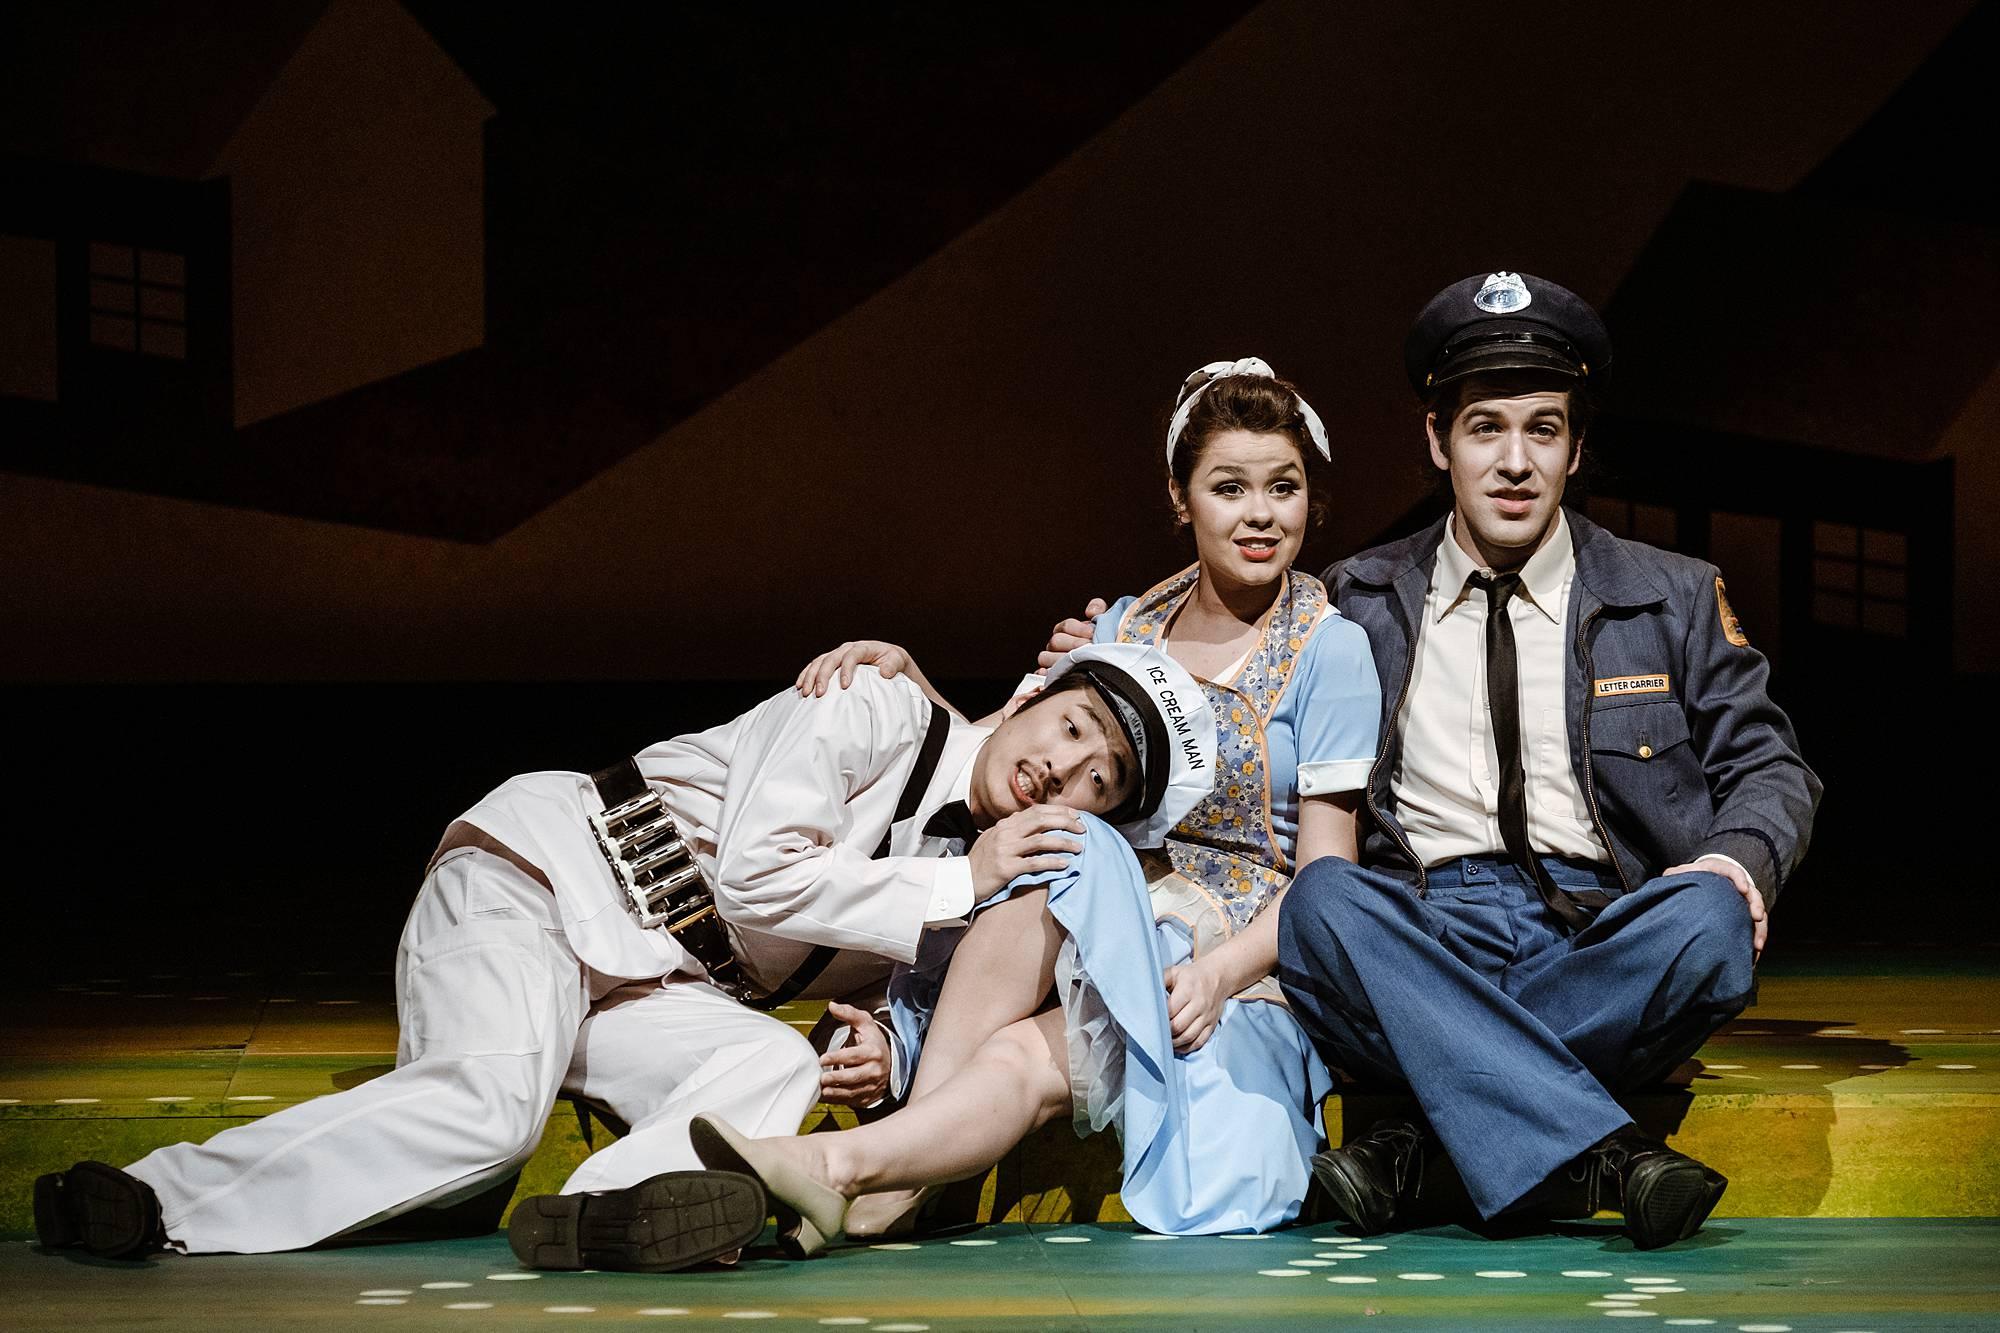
{"x": 784, "y": 808}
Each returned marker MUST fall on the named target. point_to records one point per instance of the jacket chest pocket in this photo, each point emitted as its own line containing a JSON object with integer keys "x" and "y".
{"x": 1642, "y": 753}
{"x": 1638, "y": 731}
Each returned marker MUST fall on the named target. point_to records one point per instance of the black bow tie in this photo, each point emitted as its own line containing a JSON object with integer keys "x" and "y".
{"x": 952, "y": 820}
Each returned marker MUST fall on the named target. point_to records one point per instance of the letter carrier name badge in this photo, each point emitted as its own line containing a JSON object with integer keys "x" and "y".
{"x": 1617, "y": 685}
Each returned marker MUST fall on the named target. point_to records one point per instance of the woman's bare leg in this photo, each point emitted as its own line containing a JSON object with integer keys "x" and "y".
{"x": 1000, "y": 973}
{"x": 1017, "y": 1081}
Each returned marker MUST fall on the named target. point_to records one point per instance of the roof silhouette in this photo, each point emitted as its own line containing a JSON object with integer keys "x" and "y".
{"x": 157, "y": 86}
{"x": 1850, "y": 312}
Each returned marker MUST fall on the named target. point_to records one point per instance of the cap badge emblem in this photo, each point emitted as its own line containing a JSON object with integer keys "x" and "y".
{"x": 1503, "y": 294}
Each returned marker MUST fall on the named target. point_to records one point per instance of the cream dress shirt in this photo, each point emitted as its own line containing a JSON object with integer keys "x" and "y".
{"x": 1446, "y": 780}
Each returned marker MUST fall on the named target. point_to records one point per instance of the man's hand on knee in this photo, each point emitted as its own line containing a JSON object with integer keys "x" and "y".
{"x": 855, "y": 1073}
{"x": 1027, "y": 842}
{"x": 1739, "y": 879}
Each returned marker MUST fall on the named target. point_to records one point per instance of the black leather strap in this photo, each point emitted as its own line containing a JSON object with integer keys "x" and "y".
{"x": 706, "y": 938}
{"x": 906, "y": 805}
{"x": 619, "y": 783}
{"x": 920, "y": 777}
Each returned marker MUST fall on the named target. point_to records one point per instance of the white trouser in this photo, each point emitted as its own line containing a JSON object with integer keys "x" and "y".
{"x": 657, "y": 1054}
{"x": 496, "y": 1018}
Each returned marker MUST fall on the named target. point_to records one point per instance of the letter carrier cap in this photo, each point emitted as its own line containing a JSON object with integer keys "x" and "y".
{"x": 1505, "y": 321}
{"x": 1166, "y": 719}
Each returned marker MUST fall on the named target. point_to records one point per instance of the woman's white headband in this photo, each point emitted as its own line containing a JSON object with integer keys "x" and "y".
{"x": 1222, "y": 370}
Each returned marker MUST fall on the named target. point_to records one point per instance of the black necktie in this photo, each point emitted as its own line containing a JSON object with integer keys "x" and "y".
{"x": 952, "y": 820}
{"x": 1503, "y": 704}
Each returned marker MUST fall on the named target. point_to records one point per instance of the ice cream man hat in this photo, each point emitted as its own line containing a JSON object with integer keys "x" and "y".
{"x": 1166, "y": 720}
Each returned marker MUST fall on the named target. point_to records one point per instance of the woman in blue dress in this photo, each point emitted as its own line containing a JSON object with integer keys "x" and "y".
{"x": 1168, "y": 1023}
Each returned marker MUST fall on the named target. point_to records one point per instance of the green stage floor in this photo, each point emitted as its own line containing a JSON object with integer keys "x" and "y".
{"x": 1864, "y": 1083}
{"x": 1856, "y": 1110}
{"x": 1756, "y": 1275}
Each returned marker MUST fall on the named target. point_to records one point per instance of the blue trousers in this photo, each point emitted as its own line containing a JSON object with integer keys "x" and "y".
{"x": 1512, "y": 1034}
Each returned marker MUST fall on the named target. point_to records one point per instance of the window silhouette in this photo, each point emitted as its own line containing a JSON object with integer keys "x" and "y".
{"x": 138, "y": 300}
{"x": 1656, "y": 525}
{"x": 1861, "y": 579}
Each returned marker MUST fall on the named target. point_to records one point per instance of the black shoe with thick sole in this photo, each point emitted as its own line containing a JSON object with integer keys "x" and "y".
{"x": 669, "y": 1222}
{"x": 98, "y": 1208}
{"x": 1368, "y": 1182}
{"x": 1665, "y": 1195}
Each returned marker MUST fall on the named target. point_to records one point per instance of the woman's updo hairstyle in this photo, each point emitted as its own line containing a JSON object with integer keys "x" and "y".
{"x": 1261, "y": 404}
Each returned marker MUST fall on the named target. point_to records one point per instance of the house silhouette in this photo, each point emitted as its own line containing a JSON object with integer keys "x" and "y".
{"x": 1808, "y": 392}
{"x": 219, "y": 214}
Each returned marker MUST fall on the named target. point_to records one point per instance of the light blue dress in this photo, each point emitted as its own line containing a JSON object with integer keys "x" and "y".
{"x": 1217, "y": 1140}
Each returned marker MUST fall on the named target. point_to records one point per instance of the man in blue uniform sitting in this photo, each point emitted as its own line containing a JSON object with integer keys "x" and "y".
{"x": 1585, "y": 806}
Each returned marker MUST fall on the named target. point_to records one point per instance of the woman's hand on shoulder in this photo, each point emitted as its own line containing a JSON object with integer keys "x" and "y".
{"x": 1069, "y": 635}
{"x": 886, "y": 658}
{"x": 1196, "y": 992}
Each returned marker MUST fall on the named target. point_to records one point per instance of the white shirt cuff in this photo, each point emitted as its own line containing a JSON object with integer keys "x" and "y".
{"x": 951, "y": 892}
{"x": 899, "y": 1070}
{"x": 1333, "y": 775}
{"x": 1718, "y": 856}
{"x": 899, "y": 1077}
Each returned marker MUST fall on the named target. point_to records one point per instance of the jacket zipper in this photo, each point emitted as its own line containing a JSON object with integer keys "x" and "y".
{"x": 1395, "y": 716}
{"x": 1589, "y": 770}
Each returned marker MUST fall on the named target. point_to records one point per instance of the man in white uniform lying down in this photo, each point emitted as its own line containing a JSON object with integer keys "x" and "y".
{"x": 799, "y": 850}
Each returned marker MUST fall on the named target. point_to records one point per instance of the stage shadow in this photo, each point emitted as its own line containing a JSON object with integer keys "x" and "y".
{"x": 355, "y": 1077}
{"x": 1762, "y": 1123}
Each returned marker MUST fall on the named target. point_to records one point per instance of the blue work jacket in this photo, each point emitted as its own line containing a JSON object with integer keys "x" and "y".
{"x": 1676, "y": 744}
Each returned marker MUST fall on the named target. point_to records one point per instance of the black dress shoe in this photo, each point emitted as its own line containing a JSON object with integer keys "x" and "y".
{"x": 1368, "y": 1182}
{"x": 1665, "y": 1195}
{"x": 98, "y": 1208}
{"x": 669, "y": 1222}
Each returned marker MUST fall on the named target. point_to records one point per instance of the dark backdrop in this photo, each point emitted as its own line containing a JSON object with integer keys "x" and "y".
{"x": 806, "y": 322}
{"x": 208, "y": 828}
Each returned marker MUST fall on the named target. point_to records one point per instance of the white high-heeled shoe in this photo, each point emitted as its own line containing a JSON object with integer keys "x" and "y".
{"x": 892, "y": 1217}
{"x": 810, "y": 1214}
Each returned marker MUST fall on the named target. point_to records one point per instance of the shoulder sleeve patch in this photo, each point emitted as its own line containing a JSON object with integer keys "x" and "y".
{"x": 1732, "y": 629}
